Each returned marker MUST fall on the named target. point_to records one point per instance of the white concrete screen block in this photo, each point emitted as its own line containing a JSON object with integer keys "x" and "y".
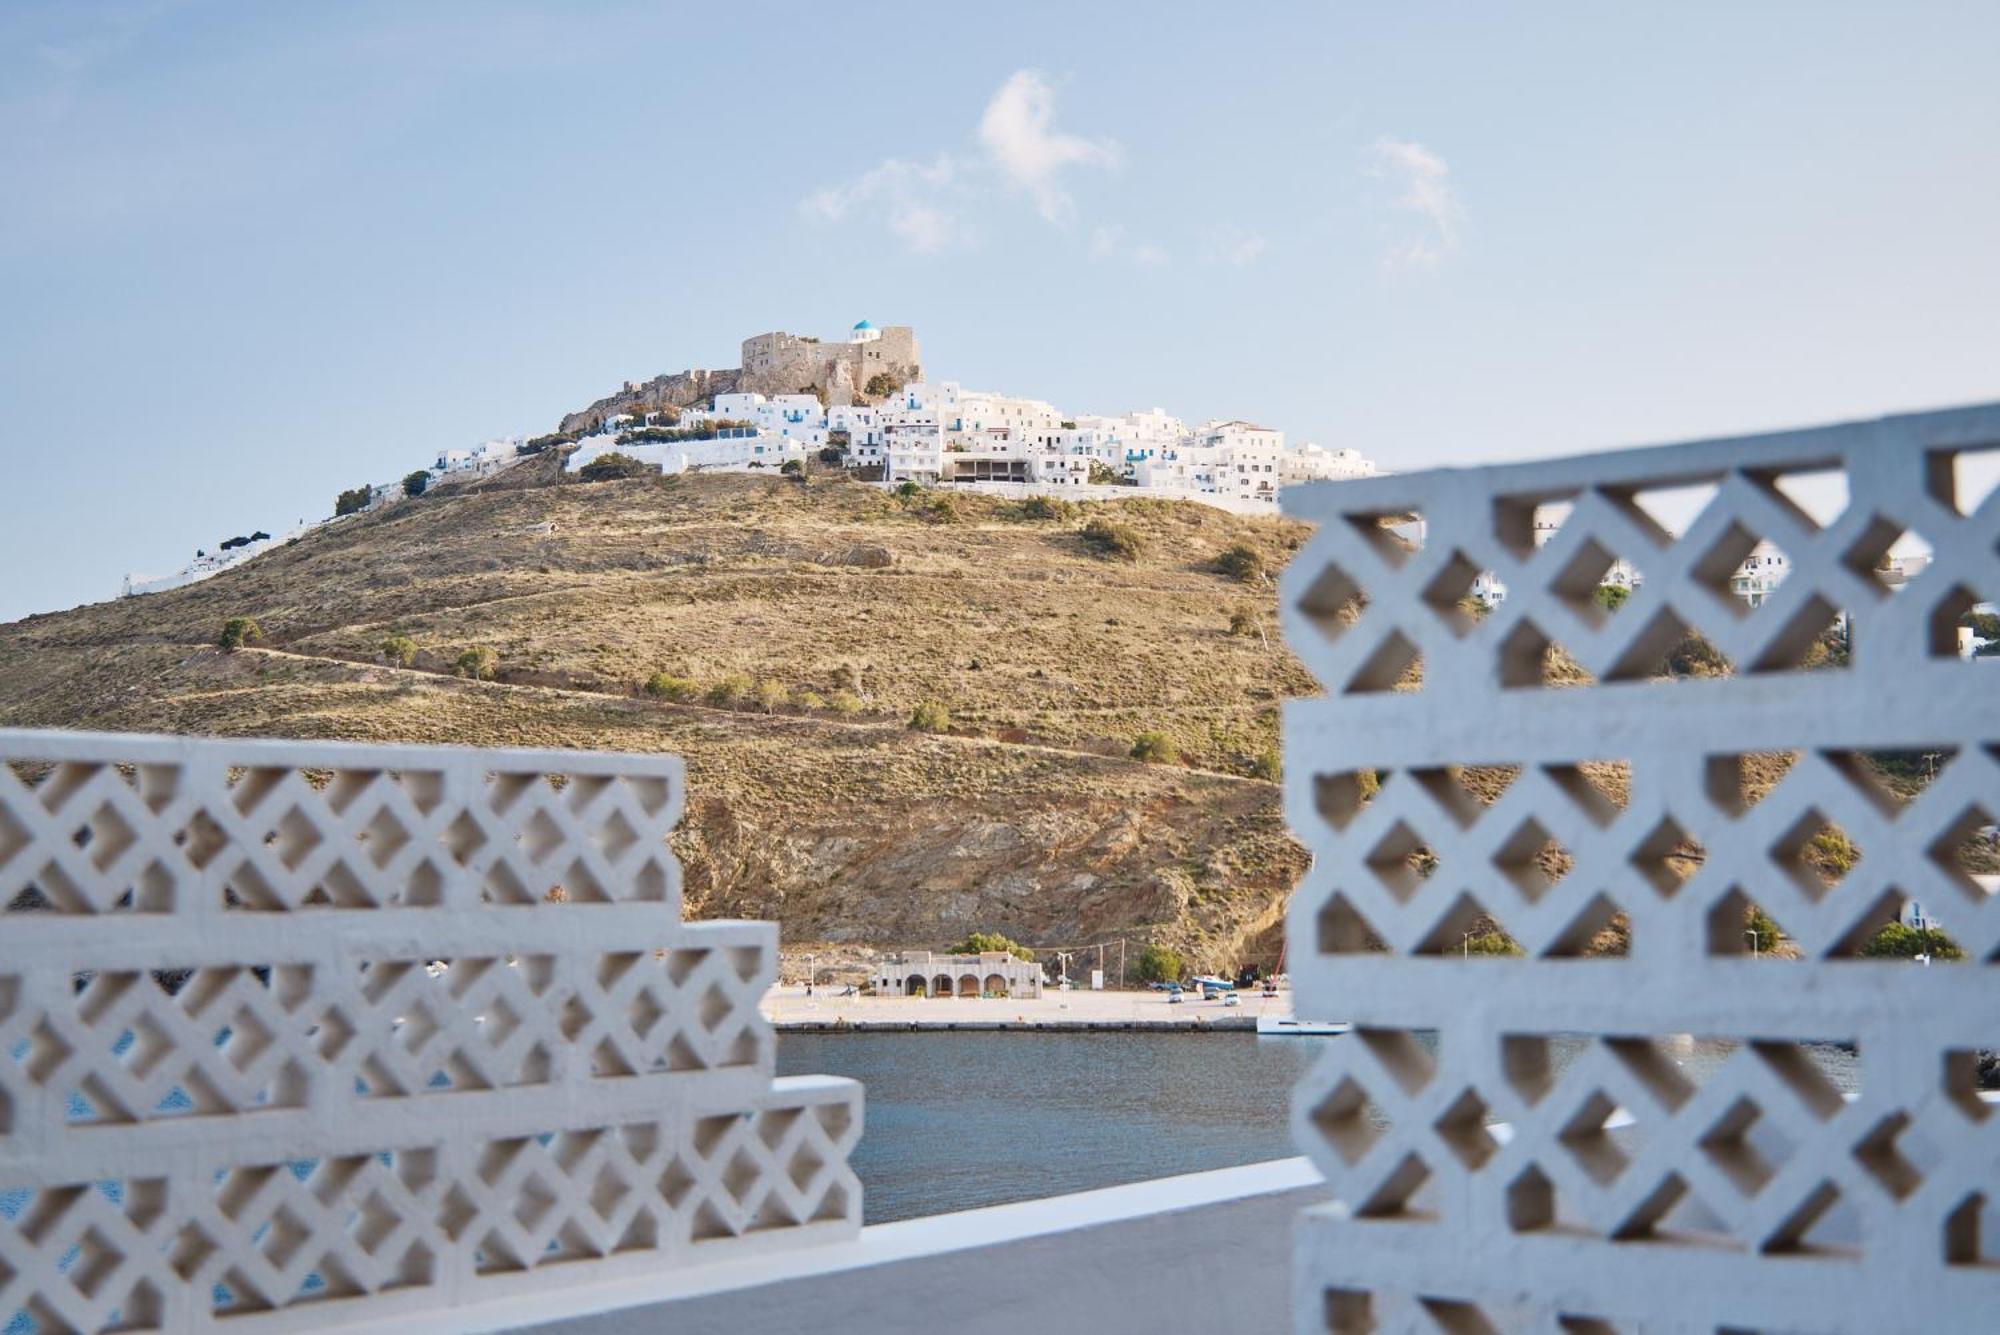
{"x": 297, "y": 1033}
{"x": 1589, "y": 1089}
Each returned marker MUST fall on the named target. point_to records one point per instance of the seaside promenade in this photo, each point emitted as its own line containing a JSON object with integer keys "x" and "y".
{"x": 789, "y": 1008}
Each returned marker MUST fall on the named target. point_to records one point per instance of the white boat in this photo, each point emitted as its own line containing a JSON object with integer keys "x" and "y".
{"x": 1286, "y": 1026}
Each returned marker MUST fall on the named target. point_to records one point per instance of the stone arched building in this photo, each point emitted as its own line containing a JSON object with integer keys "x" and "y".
{"x": 924, "y": 973}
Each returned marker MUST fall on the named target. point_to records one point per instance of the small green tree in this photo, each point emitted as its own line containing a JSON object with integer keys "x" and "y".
{"x": 666, "y": 686}
{"x": 612, "y": 466}
{"x": 808, "y": 699}
{"x": 727, "y": 692}
{"x": 1111, "y": 540}
{"x": 930, "y": 716}
{"x": 479, "y": 663}
{"x": 880, "y": 385}
{"x": 845, "y": 703}
{"x": 1161, "y": 964}
{"x": 794, "y": 468}
{"x": 239, "y": 631}
{"x": 978, "y": 943}
{"x": 1242, "y": 563}
{"x": 1760, "y": 925}
{"x": 908, "y": 489}
{"x": 417, "y": 483}
{"x": 353, "y": 501}
{"x": 1900, "y": 941}
{"x": 772, "y": 696}
{"x": 1103, "y": 475}
{"x": 399, "y": 651}
{"x": 1611, "y": 597}
{"x": 1155, "y": 748}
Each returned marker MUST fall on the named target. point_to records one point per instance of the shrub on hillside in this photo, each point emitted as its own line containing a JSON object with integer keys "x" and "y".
{"x": 1103, "y": 475}
{"x": 845, "y": 703}
{"x": 1155, "y": 748}
{"x": 930, "y": 716}
{"x": 794, "y": 468}
{"x": 239, "y": 631}
{"x": 1046, "y": 507}
{"x": 1242, "y": 563}
{"x": 1111, "y": 539}
{"x": 978, "y": 943}
{"x": 399, "y": 651}
{"x": 478, "y": 663}
{"x": 806, "y": 698}
{"x": 537, "y": 444}
{"x": 880, "y": 384}
{"x": 417, "y": 483}
{"x": 666, "y": 686}
{"x": 941, "y": 509}
{"x": 1490, "y": 942}
{"x": 730, "y": 691}
{"x": 612, "y": 466}
{"x": 1242, "y": 623}
{"x": 829, "y": 455}
{"x": 772, "y": 696}
{"x": 1267, "y": 765}
{"x": 1161, "y": 964}
{"x": 908, "y": 489}
{"x": 352, "y": 501}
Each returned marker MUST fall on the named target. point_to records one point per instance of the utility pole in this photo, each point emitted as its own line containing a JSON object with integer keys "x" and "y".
{"x": 1121, "y": 963}
{"x": 1100, "y": 959}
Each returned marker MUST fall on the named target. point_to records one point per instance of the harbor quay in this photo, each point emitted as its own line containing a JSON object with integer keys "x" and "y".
{"x": 789, "y": 1009}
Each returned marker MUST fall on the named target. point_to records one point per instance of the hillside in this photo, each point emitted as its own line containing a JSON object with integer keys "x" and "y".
{"x": 1028, "y": 817}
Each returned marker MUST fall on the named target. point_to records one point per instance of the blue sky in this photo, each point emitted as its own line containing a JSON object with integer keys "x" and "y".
{"x": 253, "y": 254}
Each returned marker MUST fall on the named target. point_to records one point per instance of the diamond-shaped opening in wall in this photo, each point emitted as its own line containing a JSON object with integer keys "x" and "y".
{"x": 1456, "y": 1316}
{"x": 1402, "y": 861}
{"x": 1339, "y": 798}
{"x": 1967, "y": 850}
{"x": 1348, "y": 1120}
{"x": 1815, "y": 853}
{"x": 1962, "y": 624}
{"x": 1737, "y": 782}
{"x": 1738, "y": 926}
{"x": 1887, "y": 556}
{"x": 1816, "y": 497}
{"x": 1464, "y": 792}
{"x": 1972, "y": 1231}
{"x": 1532, "y": 859}
{"x": 1459, "y": 594}
{"x": 1396, "y": 535}
{"x": 1898, "y": 1154}
{"x": 1596, "y": 582}
{"x": 1587, "y": 1134}
{"x": 1535, "y": 1205}
{"x": 1890, "y": 781}
{"x": 1524, "y": 524}
{"x": 1468, "y": 931}
{"x": 1741, "y": 569}
{"x": 1528, "y": 657}
{"x": 1746, "y": 1146}
{"x": 1667, "y": 511}
{"x": 1395, "y": 665}
{"x": 1899, "y": 927}
{"x": 1964, "y": 480}
{"x": 1333, "y": 602}
{"x": 1971, "y": 1079}
{"x": 1816, "y": 635}
{"x": 1343, "y": 931}
{"x": 1668, "y": 857}
{"x": 1348, "y": 1312}
{"x": 1822, "y": 1222}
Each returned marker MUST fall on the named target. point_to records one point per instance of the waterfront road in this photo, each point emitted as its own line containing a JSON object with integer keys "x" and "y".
{"x": 789, "y": 1008}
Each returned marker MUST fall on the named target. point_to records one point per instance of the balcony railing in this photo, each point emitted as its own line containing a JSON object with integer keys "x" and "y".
{"x": 308, "y": 1033}
{"x": 1616, "y": 830}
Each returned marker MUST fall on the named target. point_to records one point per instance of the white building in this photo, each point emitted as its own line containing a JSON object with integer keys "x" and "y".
{"x": 991, "y": 973}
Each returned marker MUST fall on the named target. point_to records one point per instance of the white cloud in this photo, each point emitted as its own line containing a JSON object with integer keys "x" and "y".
{"x": 1236, "y": 247}
{"x": 918, "y": 200}
{"x": 928, "y": 203}
{"x": 1108, "y": 242}
{"x": 1423, "y": 183}
{"x": 1020, "y": 136}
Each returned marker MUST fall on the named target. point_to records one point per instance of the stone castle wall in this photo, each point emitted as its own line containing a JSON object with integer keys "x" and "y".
{"x": 773, "y": 363}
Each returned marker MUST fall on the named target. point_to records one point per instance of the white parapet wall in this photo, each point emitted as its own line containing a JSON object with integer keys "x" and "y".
{"x": 296, "y": 1034}
{"x": 1748, "y": 1194}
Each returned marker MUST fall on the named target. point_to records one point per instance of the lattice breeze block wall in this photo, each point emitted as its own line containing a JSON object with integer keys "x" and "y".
{"x": 293, "y": 1033}
{"x": 1654, "y": 1115}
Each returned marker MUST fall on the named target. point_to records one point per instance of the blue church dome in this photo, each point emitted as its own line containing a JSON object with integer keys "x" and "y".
{"x": 863, "y": 324}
